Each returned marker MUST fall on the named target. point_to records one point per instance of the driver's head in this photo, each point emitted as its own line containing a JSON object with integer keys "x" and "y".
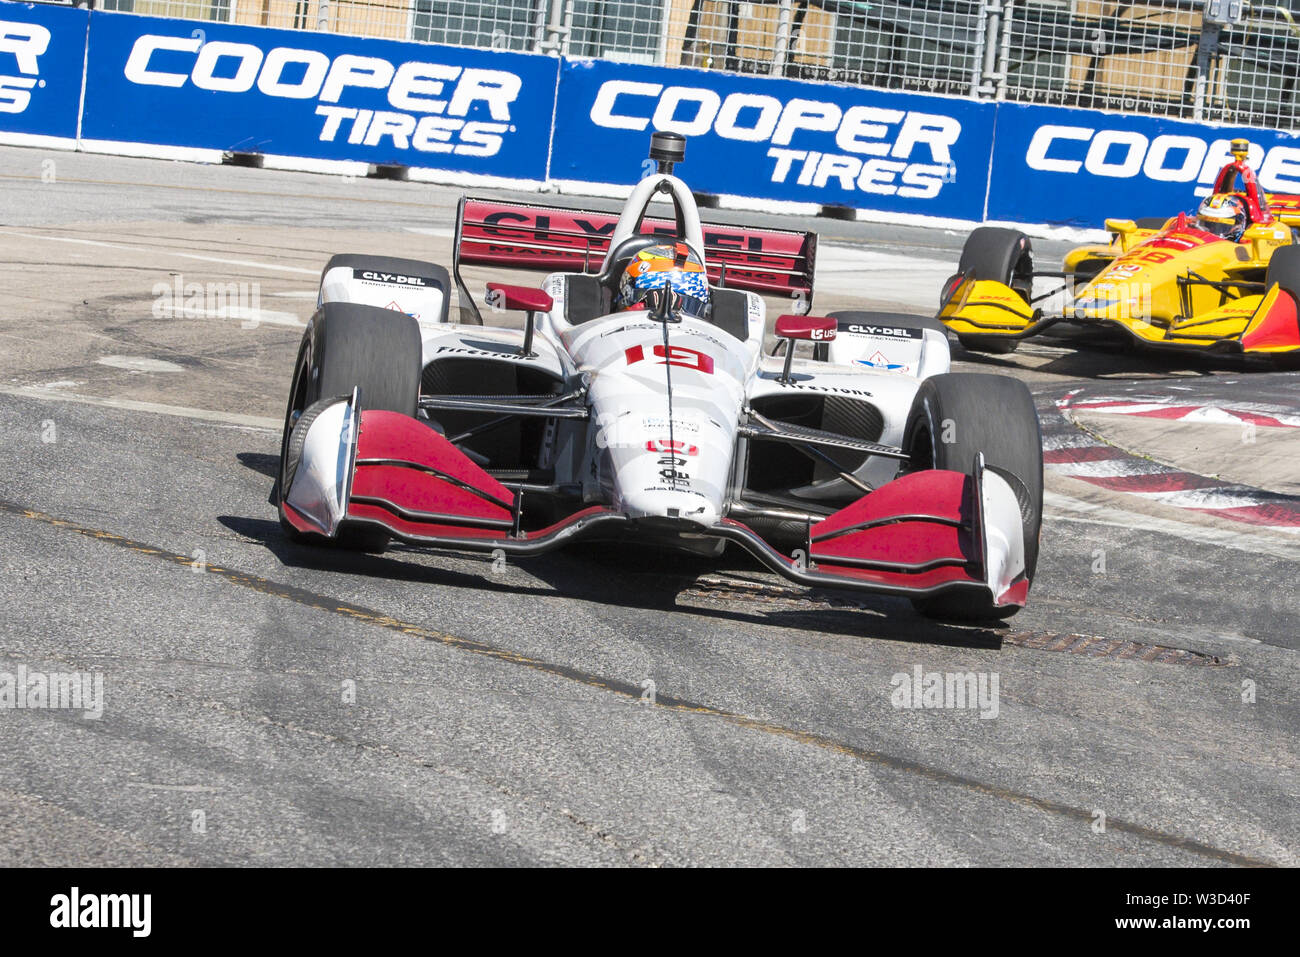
{"x": 1223, "y": 215}
{"x": 671, "y": 270}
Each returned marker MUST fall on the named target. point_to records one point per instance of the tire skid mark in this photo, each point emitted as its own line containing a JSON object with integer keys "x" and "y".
{"x": 310, "y": 599}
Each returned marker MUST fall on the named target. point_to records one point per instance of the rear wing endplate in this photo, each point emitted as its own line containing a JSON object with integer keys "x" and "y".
{"x": 555, "y": 239}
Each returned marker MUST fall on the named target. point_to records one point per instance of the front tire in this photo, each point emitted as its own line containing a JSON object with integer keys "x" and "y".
{"x": 954, "y": 417}
{"x": 1000, "y": 255}
{"x": 348, "y": 346}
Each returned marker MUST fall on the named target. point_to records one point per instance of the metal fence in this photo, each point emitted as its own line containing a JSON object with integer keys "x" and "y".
{"x": 1228, "y": 60}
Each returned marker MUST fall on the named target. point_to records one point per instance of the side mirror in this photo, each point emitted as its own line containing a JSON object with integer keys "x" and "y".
{"x": 1124, "y": 229}
{"x": 816, "y": 328}
{"x": 526, "y": 299}
{"x": 812, "y": 328}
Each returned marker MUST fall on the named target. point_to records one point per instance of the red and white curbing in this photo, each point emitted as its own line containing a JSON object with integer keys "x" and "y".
{"x": 1075, "y": 454}
{"x": 1245, "y": 414}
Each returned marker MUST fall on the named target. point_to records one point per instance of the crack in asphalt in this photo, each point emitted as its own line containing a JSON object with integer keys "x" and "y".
{"x": 310, "y": 599}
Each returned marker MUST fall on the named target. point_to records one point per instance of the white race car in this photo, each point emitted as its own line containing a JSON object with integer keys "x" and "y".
{"x": 863, "y": 465}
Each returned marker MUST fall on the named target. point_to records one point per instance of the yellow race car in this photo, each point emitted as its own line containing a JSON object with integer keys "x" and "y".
{"x": 1225, "y": 279}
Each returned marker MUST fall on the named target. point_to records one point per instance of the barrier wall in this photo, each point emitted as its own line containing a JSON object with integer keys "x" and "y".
{"x": 778, "y": 139}
{"x": 1076, "y": 167}
{"x": 113, "y": 81}
{"x": 318, "y": 96}
{"x": 42, "y": 49}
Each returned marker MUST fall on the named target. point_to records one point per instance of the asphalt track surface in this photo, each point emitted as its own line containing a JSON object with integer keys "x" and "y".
{"x": 266, "y": 703}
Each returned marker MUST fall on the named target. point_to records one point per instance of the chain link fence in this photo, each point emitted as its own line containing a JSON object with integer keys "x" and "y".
{"x": 1227, "y": 60}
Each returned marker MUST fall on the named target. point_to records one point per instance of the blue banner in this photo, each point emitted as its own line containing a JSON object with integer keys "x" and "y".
{"x": 318, "y": 95}
{"x": 1077, "y": 167}
{"x": 777, "y": 139}
{"x": 42, "y": 50}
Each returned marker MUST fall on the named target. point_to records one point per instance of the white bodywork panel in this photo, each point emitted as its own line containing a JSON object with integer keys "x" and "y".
{"x": 1003, "y": 532}
{"x": 423, "y": 301}
{"x": 320, "y": 487}
{"x": 882, "y": 347}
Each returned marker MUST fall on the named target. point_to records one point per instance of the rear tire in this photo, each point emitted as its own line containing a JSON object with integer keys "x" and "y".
{"x": 1000, "y": 255}
{"x": 980, "y": 413}
{"x": 345, "y": 347}
{"x": 1284, "y": 269}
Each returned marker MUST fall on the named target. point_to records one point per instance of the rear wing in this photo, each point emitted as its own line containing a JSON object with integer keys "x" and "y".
{"x": 1285, "y": 208}
{"x": 531, "y": 236}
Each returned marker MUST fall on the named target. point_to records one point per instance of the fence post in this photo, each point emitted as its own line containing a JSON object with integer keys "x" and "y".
{"x": 782, "y": 51}
{"x": 993, "y": 27}
{"x": 554, "y": 31}
{"x": 666, "y": 10}
{"x": 323, "y": 15}
{"x": 1004, "y": 53}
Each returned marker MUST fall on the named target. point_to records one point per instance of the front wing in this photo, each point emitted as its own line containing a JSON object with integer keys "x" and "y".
{"x": 925, "y": 534}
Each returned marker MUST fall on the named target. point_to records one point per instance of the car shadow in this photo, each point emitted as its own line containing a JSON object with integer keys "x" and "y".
{"x": 1099, "y": 354}
{"x": 645, "y": 579}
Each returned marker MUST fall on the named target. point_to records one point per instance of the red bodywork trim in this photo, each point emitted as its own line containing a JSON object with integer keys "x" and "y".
{"x": 1226, "y": 182}
{"x": 525, "y": 298}
{"x": 393, "y": 436}
{"x": 528, "y": 236}
{"x": 819, "y": 328}
{"x": 914, "y": 533}
{"x": 1280, "y": 328}
{"x": 935, "y": 495}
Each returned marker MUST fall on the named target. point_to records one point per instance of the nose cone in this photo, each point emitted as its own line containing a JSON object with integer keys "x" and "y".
{"x": 666, "y": 502}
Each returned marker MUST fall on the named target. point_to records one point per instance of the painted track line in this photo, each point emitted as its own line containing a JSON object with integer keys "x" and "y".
{"x": 245, "y": 263}
{"x": 260, "y": 423}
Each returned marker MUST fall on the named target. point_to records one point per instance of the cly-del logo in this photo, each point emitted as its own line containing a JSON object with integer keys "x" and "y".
{"x": 25, "y": 43}
{"x": 388, "y": 278}
{"x": 813, "y": 143}
{"x": 432, "y": 102}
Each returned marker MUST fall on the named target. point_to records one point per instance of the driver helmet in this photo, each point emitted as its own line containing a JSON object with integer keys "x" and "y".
{"x": 1223, "y": 215}
{"x": 673, "y": 268}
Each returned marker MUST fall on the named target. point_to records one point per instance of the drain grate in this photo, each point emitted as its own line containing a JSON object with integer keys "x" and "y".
{"x": 719, "y": 590}
{"x": 1094, "y": 646}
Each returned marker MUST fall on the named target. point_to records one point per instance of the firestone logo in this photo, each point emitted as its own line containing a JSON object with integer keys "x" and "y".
{"x": 431, "y": 101}
{"x": 880, "y": 151}
{"x": 1169, "y": 158}
{"x": 25, "y": 42}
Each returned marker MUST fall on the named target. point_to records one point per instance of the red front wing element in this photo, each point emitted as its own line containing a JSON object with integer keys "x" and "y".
{"x": 918, "y": 535}
{"x": 412, "y": 480}
{"x": 917, "y": 531}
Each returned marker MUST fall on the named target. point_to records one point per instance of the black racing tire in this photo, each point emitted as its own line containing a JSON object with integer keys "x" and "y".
{"x": 1284, "y": 269}
{"x": 995, "y": 415}
{"x": 348, "y": 346}
{"x": 1151, "y": 222}
{"x": 1000, "y": 255}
